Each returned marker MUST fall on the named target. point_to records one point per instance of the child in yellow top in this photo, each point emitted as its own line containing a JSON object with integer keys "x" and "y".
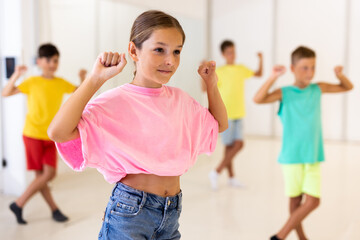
{"x": 231, "y": 82}
{"x": 44, "y": 97}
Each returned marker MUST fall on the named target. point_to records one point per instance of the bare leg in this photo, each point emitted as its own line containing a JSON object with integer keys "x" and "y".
{"x": 230, "y": 169}
{"x": 298, "y": 215}
{"x": 230, "y": 152}
{"x": 294, "y": 204}
{"x": 36, "y": 185}
{"x": 45, "y": 192}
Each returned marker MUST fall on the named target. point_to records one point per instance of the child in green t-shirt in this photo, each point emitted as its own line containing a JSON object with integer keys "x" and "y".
{"x": 302, "y": 145}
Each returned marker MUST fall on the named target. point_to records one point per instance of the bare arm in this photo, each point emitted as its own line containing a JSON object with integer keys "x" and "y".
{"x": 203, "y": 85}
{"x": 216, "y": 105}
{"x": 10, "y": 88}
{"x": 64, "y": 125}
{"x": 343, "y": 86}
{"x": 82, "y": 76}
{"x": 259, "y": 72}
{"x": 263, "y": 95}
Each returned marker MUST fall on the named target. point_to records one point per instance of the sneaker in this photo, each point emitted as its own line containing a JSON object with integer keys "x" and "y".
{"x": 18, "y": 213}
{"x": 59, "y": 216}
{"x": 213, "y": 176}
{"x": 233, "y": 182}
{"x": 274, "y": 238}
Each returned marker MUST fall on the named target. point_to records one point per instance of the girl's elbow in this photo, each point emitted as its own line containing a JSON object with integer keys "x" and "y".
{"x": 52, "y": 134}
{"x": 55, "y": 134}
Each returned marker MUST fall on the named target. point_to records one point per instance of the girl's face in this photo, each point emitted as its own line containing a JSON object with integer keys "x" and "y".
{"x": 158, "y": 58}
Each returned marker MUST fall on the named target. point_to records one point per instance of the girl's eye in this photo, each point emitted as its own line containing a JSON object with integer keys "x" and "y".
{"x": 160, "y": 50}
{"x": 177, "y": 52}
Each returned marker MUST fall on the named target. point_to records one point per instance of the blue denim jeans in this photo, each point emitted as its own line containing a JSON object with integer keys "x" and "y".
{"x": 134, "y": 214}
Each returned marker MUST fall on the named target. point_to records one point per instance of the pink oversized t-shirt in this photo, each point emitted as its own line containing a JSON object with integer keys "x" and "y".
{"x": 132, "y": 130}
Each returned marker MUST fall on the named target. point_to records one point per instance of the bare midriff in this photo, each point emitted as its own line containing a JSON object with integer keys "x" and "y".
{"x": 163, "y": 186}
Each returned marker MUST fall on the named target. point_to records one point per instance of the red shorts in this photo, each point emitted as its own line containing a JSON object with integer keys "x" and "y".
{"x": 39, "y": 152}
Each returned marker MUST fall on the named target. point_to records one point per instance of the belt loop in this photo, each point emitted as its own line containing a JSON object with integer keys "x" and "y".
{"x": 179, "y": 198}
{"x": 143, "y": 200}
{"x": 116, "y": 185}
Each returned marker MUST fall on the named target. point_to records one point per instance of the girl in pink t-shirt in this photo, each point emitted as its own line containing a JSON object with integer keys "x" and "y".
{"x": 143, "y": 135}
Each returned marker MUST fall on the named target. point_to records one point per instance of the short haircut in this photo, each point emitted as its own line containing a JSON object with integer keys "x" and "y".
{"x": 301, "y": 52}
{"x": 225, "y": 44}
{"x": 47, "y": 50}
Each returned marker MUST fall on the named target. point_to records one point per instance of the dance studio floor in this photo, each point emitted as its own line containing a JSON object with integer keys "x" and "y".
{"x": 252, "y": 213}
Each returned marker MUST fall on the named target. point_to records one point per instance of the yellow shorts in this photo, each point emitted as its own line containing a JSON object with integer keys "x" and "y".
{"x": 302, "y": 178}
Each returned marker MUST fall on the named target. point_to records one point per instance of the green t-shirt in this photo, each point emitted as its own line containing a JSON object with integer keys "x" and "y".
{"x": 300, "y": 114}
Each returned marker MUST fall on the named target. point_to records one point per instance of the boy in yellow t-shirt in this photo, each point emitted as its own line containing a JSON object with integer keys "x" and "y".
{"x": 44, "y": 97}
{"x": 231, "y": 85}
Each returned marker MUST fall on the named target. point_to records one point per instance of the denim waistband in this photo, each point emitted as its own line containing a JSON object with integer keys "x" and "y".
{"x": 149, "y": 199}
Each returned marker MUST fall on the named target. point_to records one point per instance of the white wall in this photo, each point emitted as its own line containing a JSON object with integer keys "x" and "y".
{"x": 249, "y": 24}
{"x": 70, "y": 25}
{"x": 277, "y": 27}
{"x": 353, "y": 70}
{"x": 17, "y": 40}
{"x": 308, "y": 23}
{"x": 187, "y": 8}
{"x": 1, "y": 102}
{"x": 104, "y": 25}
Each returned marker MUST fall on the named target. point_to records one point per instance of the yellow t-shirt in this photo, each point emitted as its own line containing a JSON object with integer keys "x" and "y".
{"x": 231, "y": 86}
{"x": 44, "y": 97}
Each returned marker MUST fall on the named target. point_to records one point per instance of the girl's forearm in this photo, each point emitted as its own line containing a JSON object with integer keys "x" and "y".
{"x": 64, "y": 125}
{"x": 217, "y": 107}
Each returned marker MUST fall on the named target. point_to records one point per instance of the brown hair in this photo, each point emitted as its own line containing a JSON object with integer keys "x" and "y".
{"x": 145, "y": 24}
{"x": 225, "y": 44}
{"x": 148, "y": 21}
{"x": 301, "y": 52}
{"x": 47, "y": 50}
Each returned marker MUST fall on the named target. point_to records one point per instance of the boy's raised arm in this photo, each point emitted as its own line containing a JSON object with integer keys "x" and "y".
{"x": 216, "y": 105}
{"x": 64, "y": 125}
{"x": 343, "y": 86}
{"x": 263, "y": 95}
{"x": 10, "y": 88}
{"x": 259, "y": 72}
{"x": 82, "y": 76}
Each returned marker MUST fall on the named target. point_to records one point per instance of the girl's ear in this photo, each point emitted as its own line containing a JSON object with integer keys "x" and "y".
{"x": 133, "y": 51}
